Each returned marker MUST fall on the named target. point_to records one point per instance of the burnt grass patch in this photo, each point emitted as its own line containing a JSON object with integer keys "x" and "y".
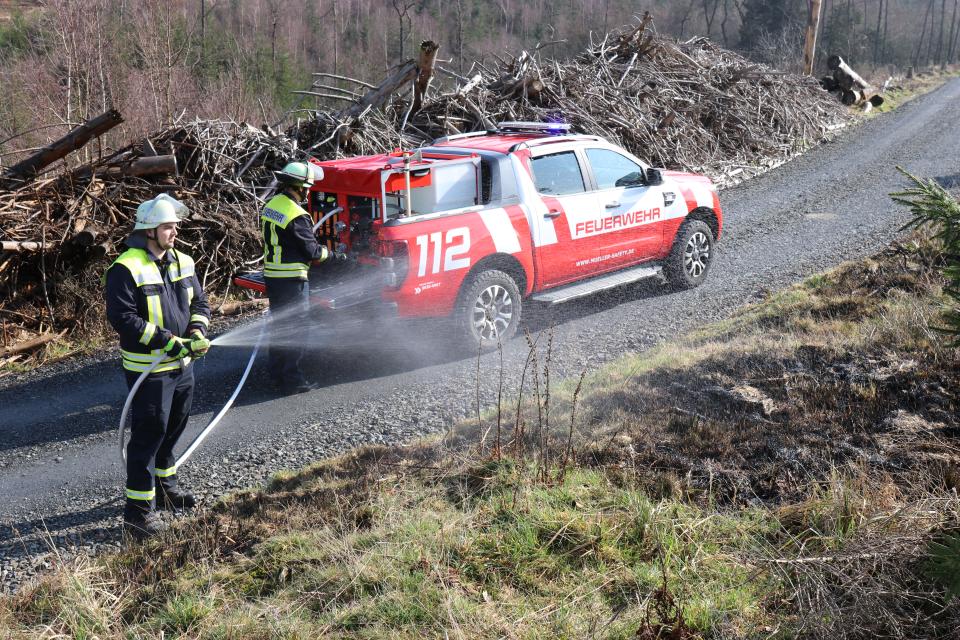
{"x": 842, "y": 372}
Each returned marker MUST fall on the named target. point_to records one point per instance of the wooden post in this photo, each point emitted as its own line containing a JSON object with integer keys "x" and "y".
{"x": 813, "y": 27}
{"x": 27, "y": 169}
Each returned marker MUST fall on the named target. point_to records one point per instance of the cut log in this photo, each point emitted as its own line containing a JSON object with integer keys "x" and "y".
{"x": 28, "y": 169}
{"x": 29, "y": 345}
{"x": 147, "y": 166}
{"x": 233, "y": 308}
{"x": 846, "y": 77}
{"x": 100, "y": 250}
{"x": 150, "y": 166}
{"x": 8, "y": 245}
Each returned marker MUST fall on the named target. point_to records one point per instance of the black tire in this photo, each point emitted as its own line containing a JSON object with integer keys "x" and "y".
{"x": 488, "y": 310}
{"x": 692, "y": 254}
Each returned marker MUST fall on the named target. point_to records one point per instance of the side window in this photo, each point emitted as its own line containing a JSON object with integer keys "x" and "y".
{"x": 614, "y": 170}
{"x": 558, "y": 174}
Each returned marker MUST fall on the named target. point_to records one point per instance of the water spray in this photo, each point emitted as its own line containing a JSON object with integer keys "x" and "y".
{"x": 216, "y": 419}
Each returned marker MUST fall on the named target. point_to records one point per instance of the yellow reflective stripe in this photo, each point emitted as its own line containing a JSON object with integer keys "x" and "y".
{"x": 148, "y": 332}
{"x": 154, "y": 310}
{"x": 182, "y": 267}
{"x": 275, "y": 240}
{"x": 201, "y": 319}
{"x": 165, "y": 473}
{"x": 141, "y": 357}
{"x": 286, "y": 271}
{"x": 324, "y": 253}
{"x": 141, "y": 361}
{"x": 289, "y": 266}
{"x": 160, "y": 368}
{"x": 133, "y": 494}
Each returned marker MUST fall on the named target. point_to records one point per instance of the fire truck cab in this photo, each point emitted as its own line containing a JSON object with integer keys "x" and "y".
{"x": 473, "y": 225}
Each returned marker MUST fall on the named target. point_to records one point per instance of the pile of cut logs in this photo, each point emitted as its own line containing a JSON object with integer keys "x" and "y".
{"x": 847, "y": 85}
{"x": 688, "y": 105}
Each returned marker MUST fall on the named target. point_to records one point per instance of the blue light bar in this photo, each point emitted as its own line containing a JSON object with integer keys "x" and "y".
{"x": 536, "y": 127}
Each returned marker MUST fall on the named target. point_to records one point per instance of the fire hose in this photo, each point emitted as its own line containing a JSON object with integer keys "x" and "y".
{"x": 211, "y": 425}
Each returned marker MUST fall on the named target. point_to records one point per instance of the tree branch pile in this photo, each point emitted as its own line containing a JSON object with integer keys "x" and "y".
{"x": 60, "y": 233}
{"x": 689, "y": 105}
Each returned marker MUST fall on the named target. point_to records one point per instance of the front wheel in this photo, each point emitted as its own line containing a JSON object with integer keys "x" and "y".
{"x": 691, "y": 256}
{"x": 488, "y": 310}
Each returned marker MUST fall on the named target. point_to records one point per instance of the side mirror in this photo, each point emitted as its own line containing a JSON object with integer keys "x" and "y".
{"x": 654, "y": 177}
{"x": 635, "y": 179}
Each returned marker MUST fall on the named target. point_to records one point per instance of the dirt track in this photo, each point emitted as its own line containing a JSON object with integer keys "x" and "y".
{"x": 59, "y": 464}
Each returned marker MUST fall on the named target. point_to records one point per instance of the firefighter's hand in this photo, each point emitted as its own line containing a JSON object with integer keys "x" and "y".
{"x": 198, "y": 345}
{"x": 176, "y": 348}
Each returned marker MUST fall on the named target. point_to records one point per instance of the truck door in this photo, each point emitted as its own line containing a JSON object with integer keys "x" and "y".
{"x": 561, "y": 187}
{"x": 630, "y": 226}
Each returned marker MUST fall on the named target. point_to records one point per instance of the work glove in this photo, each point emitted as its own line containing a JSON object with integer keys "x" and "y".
{"x": 198, "y": 345}
{"x": 176, "y": 348}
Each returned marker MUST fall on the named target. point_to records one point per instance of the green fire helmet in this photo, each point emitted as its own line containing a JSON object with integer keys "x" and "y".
{"x": 300, "y": 174}
{"x": 160, "y": 210}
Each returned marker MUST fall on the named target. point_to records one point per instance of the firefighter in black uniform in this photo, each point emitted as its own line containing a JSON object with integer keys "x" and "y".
{"x": 156, "y": 304}
{"x": 289, "y": 247}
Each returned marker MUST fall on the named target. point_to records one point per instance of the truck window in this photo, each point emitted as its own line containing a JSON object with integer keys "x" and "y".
{"x": 614, "y": 170}
{"x": 558, "y": 174}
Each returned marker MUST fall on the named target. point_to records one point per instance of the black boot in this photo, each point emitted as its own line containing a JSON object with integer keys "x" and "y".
{"x": 140, "y": 521}
{"x": 171, "y": 497}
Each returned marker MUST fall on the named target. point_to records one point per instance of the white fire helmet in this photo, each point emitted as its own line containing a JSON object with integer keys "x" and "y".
{"x": 301, "y": 174}
{"x": 160, "y": 210}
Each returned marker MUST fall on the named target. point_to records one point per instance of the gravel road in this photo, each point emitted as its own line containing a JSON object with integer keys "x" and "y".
{"x": 60, "y": 474}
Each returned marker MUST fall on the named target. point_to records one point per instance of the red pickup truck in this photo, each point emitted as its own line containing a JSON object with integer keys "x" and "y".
{"x": 473, "y": 225}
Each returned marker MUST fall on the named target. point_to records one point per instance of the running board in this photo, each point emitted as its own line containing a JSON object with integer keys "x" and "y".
{"x": 600, "y": 283}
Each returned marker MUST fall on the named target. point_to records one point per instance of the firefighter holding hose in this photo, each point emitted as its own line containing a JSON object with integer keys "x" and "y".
{"x": 289, "y": 247}
{"x": 157, "y": 306}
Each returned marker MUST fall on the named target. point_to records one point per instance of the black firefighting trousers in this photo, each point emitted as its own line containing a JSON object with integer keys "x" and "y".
{"x": 289, "y": 329}
{"x": 159, "y": 412}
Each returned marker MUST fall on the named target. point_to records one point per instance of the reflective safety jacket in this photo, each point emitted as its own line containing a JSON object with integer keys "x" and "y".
{"x": 151, "y": 299}
{"x": 288, "y": 241}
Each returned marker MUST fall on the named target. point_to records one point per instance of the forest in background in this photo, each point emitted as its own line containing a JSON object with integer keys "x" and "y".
{"x": 64, "y": 61}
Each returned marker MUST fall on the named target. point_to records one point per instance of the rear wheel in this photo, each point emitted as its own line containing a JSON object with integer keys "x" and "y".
{"x": 691, "y": 256}
{"x": 488, "y": 310}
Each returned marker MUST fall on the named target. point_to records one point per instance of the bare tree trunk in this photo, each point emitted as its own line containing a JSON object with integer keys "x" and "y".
{"x": 683, "y": 20}
{"x": 943, "y": 18}
{"x": 813, "y": 28}
{"x": 336, "y": 39}
{"x": 953, "y": 32}
{"x": 886, "y": 24}
{"x": 923, "y": 30}
{"x": 723, "y": 23}
{"x": 460, "y": 33}
{"x": 876, "y": 37}
{"x": 203, "y": 30}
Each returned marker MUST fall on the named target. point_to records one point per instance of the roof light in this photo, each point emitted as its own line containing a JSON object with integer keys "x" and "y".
{"x": 538, "y": 127}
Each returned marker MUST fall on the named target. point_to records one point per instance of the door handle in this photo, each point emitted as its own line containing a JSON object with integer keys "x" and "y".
{"x": 612, "y": 205}
{"x": 553, "y": 213}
